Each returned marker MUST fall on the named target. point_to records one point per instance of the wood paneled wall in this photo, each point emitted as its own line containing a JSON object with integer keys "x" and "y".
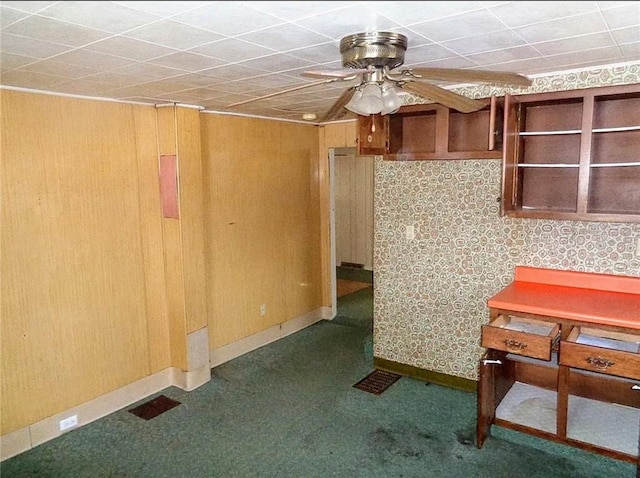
{"x": 82, "y": 306}
{"x": 98, "y": 289}
{"x": 262, "y": 223}
{"x": 353, "y": 189}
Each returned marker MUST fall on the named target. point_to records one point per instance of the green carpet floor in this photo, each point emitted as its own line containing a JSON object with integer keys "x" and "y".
{"x": 289, "y": 409}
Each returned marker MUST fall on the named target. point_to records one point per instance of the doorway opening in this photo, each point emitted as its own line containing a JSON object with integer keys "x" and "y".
{"x": 351, "y": 198}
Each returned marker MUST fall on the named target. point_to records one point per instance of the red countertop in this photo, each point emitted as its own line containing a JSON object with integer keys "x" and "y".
{"x": 586, "y": 297}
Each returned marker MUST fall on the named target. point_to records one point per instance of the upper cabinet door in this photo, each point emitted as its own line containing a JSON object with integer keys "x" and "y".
{"x": 372, "y": 135}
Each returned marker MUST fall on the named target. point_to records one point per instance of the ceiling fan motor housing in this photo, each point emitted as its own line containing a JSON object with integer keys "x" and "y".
{"x": 376, "y": 49}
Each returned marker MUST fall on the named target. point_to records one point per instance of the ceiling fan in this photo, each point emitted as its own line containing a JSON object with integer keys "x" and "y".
{"x": 372, "y": 60}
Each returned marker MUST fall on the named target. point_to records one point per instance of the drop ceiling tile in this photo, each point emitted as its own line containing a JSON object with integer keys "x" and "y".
{"x": 277, "y": 62}
{"x": 408, "y": 13}
{"x": 233, "y": 72}
{"x": 413, "y": 39}
{"x": 163, "y": 9}
{"x": 152, "y": 88}
{"x": 622, "y": 17}
{"x": 173, "y": 34}
{"x": 196, "y": 79}
{"x": 586, "y": 57}
{"x": 184, "y": 60}
{"x": 292, "y": 11}
{"x": 148, "y": 71}
{"x": 347, "y": 21}
{"x": 228, "y": 18}
{"x": 130, "y": 48}
{"x": 29, "y": 7}
{"x": 81, "y": 87}
{"x": 239, "y": 87}
{"x": 233, "y": 50}
{"x": 528, "y": 66}
{"x": 106, "y": 16}
{"x": 30, "y": 47}
{"x": 202, "y": 93}
{"x": 115, "y": 80}
{"x": 281, "y": 82}
{"x": 460, "y": 26}
{"x": 29, "y": 79}
{"x": 55, "y": 31}
{"x": 563, "y": 28}
{"x": 568, "y": 45}
{"x": 519, "y": 14}
{"x": 626, "y": 35}
{"x": 92, "y": 59}
{"x": 322, "y": 53}
{"x": 9, "y": 61}
{"x": 483, "y": 43}
{"x": 9, "y": 16}
{"x": 426, "y": 53}
{"x": 505, "y": 55}
{"x": 630, "y": 51}
{"x": 65, "y": 70}
{"x": 451, "y": 62}
{"x": 285, "y": 37}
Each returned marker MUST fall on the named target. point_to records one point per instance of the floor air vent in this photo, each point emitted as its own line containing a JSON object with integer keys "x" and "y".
{"x": 377, "y": 381}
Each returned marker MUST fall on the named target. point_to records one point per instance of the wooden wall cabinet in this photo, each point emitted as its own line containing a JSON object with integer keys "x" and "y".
{"x": 433, "y": 131}
{"x": 573, "y": 155}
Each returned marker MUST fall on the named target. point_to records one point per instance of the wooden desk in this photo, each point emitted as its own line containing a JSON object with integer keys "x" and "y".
{"x": 563, "y": 360}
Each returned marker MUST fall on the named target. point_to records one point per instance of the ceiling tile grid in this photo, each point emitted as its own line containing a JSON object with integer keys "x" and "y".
{"x": 213, "y": 54}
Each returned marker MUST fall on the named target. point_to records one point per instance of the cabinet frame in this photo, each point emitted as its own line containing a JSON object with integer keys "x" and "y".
{"x": 587, "y": 164}
{"x": 434, "y": 132}
{"x": 500, "y": 370}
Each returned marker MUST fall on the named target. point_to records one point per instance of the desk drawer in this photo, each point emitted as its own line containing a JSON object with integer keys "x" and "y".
{"x": 521, "y": 336}
{"x": 612, "y": 353}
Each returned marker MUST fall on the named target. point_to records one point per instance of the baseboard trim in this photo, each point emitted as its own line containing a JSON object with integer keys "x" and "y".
{"x": 223, "y": 354}
{"x": 24, "y": 439}
{"x": 438, "y": 378}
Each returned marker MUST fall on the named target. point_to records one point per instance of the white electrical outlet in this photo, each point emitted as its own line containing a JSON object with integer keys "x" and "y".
{"x": 410, "y": 233}
{"x": 69, "y": 422}
{"x": 263, "y": 309}
{"x": 638, "y": 248}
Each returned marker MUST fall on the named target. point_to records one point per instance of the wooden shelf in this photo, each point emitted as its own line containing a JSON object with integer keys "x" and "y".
{"x": 433, "y": 132}
{"x": 573, "y": 155}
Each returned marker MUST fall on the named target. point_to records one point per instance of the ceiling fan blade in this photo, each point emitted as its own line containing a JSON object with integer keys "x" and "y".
{"x": 444, "y": 97}
{"x": 337, "y": 109}
{"x": 504, "y": 78}
{"x": 342, "y": 74}
{"x": 289, "y": 90}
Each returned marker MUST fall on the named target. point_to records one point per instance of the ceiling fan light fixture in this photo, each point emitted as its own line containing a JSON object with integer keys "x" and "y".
{"x": 374, "y": 98}
{"x": 354, "y": 104}
{"x": 371, "y": 100}
{"x": 391, "y": 99}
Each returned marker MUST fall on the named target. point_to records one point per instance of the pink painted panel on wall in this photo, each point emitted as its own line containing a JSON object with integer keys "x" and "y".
{"x": 169, "y": 185}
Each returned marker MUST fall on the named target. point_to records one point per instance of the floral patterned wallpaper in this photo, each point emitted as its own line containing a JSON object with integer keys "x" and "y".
{"x": 430, "y": 293}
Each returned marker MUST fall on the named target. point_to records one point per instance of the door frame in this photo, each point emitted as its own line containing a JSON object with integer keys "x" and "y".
{"x": 332, "y": 222}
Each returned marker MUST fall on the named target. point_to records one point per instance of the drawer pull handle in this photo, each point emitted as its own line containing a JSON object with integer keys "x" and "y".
{"x": 635, "y": 387}
{"x": 499, "y": 362}
{"x": 514, "y": 344}
{"x": 600, "y": 363}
